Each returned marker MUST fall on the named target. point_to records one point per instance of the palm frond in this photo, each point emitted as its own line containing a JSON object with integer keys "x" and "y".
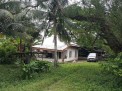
{"x": 71, "y": 24}
{"x": 62, "y": 32}
{"x": 64, "y": 35}
{"x": 14, "y": 28}
{"x": 5, "y": 14}
{"x": 24, "y": 15}
{"x": 37, "y": 14}
{"x": 19, "y": 16}
{"x": 46, "y": 30}
{"x": 12, "y": 6}
{"x": 63, "y": 2}
{"x": 42, "y": 3}
{"x": 72, "y": 10}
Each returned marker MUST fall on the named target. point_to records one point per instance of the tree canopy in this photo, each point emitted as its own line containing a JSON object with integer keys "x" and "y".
{"x": 105, "y": 15}
{"x": 98, "y": 21}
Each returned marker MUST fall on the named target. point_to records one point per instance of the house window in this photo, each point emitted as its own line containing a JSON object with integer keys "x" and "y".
{"x": 70, "y": 54}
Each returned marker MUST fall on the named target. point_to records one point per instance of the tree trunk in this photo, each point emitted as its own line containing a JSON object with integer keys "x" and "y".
{"x": 20, "y": 48}
{"x": 55, "y": 46}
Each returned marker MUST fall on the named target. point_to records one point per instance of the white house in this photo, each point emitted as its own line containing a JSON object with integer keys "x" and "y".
{"x": 65, "y": 52}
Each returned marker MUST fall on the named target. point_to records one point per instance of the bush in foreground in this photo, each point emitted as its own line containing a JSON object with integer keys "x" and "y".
{"x": 33, "y": 68}
{"x": 7, "y": 49}
{"x": 114, "y": 66}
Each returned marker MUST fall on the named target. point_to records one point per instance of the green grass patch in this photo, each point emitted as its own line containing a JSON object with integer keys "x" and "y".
{"x": 82, "y": 76}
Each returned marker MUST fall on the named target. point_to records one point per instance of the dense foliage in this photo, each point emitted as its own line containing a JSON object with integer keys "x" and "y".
{"x": 100, "y": 22}
{"x": 7, "y": 50}
{"x": 114, "y": 66}
{"x": 34, "y": 67}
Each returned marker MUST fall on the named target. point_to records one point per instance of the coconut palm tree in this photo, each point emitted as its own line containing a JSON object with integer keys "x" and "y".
{"x": 46, "y": 14}
{"x": 15, "y": 23}
{"x": 7, "y": 9}
{"x": 50, "y": 18}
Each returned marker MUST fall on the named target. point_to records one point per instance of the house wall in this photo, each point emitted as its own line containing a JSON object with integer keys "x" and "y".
{"x": 49, "y": 59}
{"x": 71, "y": 54}
{"x": 45, "y": 58}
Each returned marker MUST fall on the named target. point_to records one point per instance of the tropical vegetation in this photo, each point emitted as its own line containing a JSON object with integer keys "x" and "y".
{"x": 70, "y": 76}
{"x": 89, "y": 23}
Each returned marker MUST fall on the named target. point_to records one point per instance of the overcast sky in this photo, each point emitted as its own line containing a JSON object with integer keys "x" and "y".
{"x": 73, "y": 1}
{"x": 70, "y": 1}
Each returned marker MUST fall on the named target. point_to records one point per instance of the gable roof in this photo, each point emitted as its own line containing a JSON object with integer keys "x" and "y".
{"x": 49, "y": 44}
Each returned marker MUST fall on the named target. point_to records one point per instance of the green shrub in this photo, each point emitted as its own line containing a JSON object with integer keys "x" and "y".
{"x": 34, "y": 67}
{"x": 7, "y": 49}
{"x": 114, "y": 66}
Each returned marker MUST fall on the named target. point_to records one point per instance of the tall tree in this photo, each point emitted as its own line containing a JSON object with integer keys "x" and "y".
{"x": 50, "y": 18}
{"x": 105, "y": 14}
{"x": 15, "y": 22}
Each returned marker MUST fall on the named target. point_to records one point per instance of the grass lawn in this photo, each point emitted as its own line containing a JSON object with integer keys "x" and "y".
{"x": 82, "y": 76}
